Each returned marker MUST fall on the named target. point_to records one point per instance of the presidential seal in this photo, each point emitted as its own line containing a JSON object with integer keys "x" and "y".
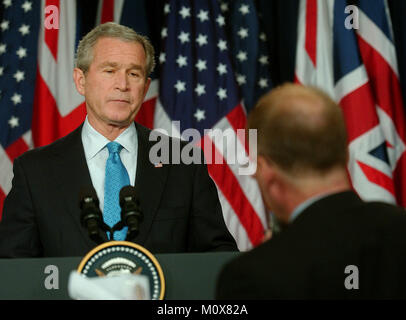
{"x": 123, "y": 257}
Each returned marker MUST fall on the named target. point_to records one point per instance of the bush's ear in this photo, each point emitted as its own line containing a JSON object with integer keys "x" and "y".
{"x": 80, "y": 80}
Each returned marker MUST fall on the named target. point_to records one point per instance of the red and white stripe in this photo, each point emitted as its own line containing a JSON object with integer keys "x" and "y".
{"x": 242, "y": 204}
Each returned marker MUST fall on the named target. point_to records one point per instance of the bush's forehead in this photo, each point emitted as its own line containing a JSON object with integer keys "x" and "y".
{"x": 116, "y": 49}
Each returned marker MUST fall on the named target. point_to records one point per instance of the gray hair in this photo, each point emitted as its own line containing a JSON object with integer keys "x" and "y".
{"x": 84, "y": 52}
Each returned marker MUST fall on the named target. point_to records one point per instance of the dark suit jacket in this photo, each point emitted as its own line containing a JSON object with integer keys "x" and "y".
{"x": 308, "y": 259}
{"x": 41, "y": 216}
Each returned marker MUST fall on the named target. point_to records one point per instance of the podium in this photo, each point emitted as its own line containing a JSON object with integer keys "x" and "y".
{"x": 188, "y": 276}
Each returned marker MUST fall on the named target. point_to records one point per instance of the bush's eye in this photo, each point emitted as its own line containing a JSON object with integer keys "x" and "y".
{"x": 134, "y": 74}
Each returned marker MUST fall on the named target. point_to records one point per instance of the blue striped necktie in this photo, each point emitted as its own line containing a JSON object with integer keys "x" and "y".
{"x": 116, "y": 178}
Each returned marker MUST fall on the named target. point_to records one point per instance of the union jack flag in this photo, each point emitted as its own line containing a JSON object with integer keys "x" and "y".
{"x": 357, "y": 66}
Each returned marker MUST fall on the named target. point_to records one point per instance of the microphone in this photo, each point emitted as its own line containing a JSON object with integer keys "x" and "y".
{"x": 91, "y": 217}
{"x": 131, "y": 215}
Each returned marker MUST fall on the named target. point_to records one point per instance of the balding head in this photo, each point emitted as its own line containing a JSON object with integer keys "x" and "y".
{"x": 301, "y": 130}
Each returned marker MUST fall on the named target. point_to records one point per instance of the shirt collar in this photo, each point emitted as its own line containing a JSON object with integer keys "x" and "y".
{"x": 129, "y": 139}
{"x": 94, "y": 142}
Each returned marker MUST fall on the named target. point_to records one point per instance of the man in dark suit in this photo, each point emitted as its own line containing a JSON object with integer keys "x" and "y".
{"x": 181, "y": 209}
{"x": 332, "y": 245}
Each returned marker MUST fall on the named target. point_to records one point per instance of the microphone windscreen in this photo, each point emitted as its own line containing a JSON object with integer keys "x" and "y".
{"x": 127, "y": 191}
{"x": 87, "y": 192}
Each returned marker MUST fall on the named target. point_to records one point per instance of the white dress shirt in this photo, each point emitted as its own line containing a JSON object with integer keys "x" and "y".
{"x": 96, "y": 154}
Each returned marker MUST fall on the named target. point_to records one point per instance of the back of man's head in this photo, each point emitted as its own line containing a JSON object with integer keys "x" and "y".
{"x": 301, "y": 130}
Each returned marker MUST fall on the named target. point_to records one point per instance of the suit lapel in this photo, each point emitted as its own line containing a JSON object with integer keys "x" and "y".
{"x": 74, "y": 175}
{"x": 149, "y": 182}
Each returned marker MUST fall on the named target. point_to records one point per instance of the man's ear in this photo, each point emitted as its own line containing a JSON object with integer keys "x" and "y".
{"x": 271, "y": 176}
{"x": 80, "y": 80}
{"x": 264, "y": 169}
{"x": 265, "y": 176}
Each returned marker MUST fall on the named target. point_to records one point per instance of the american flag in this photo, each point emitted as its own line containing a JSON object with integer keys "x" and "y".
{"x": 199, "y": 88}
{"x": 357, "y": 66}
{"x": 204, "y": 80}
{"x": 18, "y": 55}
